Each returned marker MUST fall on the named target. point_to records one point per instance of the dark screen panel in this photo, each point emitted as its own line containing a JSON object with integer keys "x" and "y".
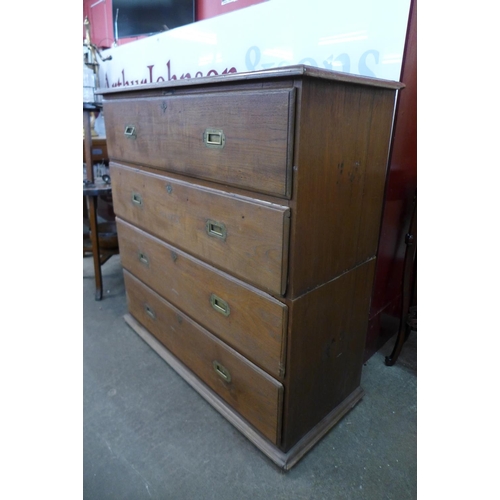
{"x": 146, "y": 17}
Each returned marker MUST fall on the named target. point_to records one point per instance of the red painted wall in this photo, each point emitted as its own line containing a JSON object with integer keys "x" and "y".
{"x": 101, "y": 17}
{"x": 400, "y": 189}
{"x": 211, "y": 8}
{"x": 101, "y": 22}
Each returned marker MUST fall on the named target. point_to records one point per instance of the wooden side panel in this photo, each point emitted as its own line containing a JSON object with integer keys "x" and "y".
{"x": 340, "y": 167}
{"x": 169, "y": 134}
{"x": 178, "y": 212}
{"x": 255, "y": 324}
{"x": 249, "y": 390}
{"x": 327, "y": 331}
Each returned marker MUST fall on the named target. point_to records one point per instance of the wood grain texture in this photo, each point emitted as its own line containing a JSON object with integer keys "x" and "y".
{"x": 301, "y": 242}
{"x": 307, "y": 442}
{"x": 176, "y": 211}
{"x": 327, "y": 331}
{"x": 257, "y": 323}
{"x": 340, "y": 168}
{"x": 283, "y": 460}
{"x": 169, "y": 135}
{"x": 250, "y": 391}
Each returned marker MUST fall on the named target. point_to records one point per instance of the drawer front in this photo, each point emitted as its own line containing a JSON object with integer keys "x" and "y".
{"x": 247, "y": 319}
{"x": 246, "y": 238}
{"x": 237, "y": 138}
{"x": 254, "y": 394}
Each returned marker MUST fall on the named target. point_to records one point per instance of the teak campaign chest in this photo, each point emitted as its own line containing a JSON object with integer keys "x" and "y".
{"x": 248, "y": 212}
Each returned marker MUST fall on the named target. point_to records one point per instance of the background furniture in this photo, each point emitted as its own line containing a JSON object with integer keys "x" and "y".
{"x": 408, "y": 321}
{"x": 248, "y": 213}
{"x": 103, "y": 237}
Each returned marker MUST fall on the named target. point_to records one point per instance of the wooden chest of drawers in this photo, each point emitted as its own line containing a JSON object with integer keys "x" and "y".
{"x": 248, "y": 212}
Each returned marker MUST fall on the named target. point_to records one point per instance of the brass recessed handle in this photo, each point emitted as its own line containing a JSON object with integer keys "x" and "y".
{"x": 222, "y": 371}
{"x": 130, "y": 132}
{"x": 217, "y": 229}
{"x": 214, "y": 138}
{"x": 137, "y": 199}
{"x": 144, "y": 258}
{"x": 220, "y": 305}
{"x": 150, "y": 311}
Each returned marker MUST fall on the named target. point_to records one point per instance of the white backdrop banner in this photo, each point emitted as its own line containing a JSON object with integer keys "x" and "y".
{"x": 362, "y": 37}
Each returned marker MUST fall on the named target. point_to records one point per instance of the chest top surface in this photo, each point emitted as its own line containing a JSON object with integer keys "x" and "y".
{"x": 300, "y": 70}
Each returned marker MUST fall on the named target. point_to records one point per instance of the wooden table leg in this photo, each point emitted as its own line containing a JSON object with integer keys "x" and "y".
{"x": 92, "y": 205}
{"x": 94, "y": 238}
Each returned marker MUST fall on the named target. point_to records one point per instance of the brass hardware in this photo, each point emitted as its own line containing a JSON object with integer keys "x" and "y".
{"x": 220, "y": 305}
{"x": 144, "y": 259}
{"x": 217, "y": 229}
{"x": 149, "y": 311}
{"x": 130, "y": 132}
{"x": 137, "y": 199}
{"x": 214, "y": 138}
{"x": 222, "y": 371}
{"x": 169, "y": 189}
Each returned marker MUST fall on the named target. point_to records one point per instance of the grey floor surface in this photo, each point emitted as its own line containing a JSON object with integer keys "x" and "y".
{"x": 147, "y": 434}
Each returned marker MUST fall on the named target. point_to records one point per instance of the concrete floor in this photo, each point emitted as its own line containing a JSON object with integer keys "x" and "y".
{"x": 147, "y": 434}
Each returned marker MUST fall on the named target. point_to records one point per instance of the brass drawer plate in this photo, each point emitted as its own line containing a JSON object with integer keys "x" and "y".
{"x": 249, "y": 390}
{"x": 250, "y": 321}
{"x": 203, "y": 135}
{"x": 240, "y": 235}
